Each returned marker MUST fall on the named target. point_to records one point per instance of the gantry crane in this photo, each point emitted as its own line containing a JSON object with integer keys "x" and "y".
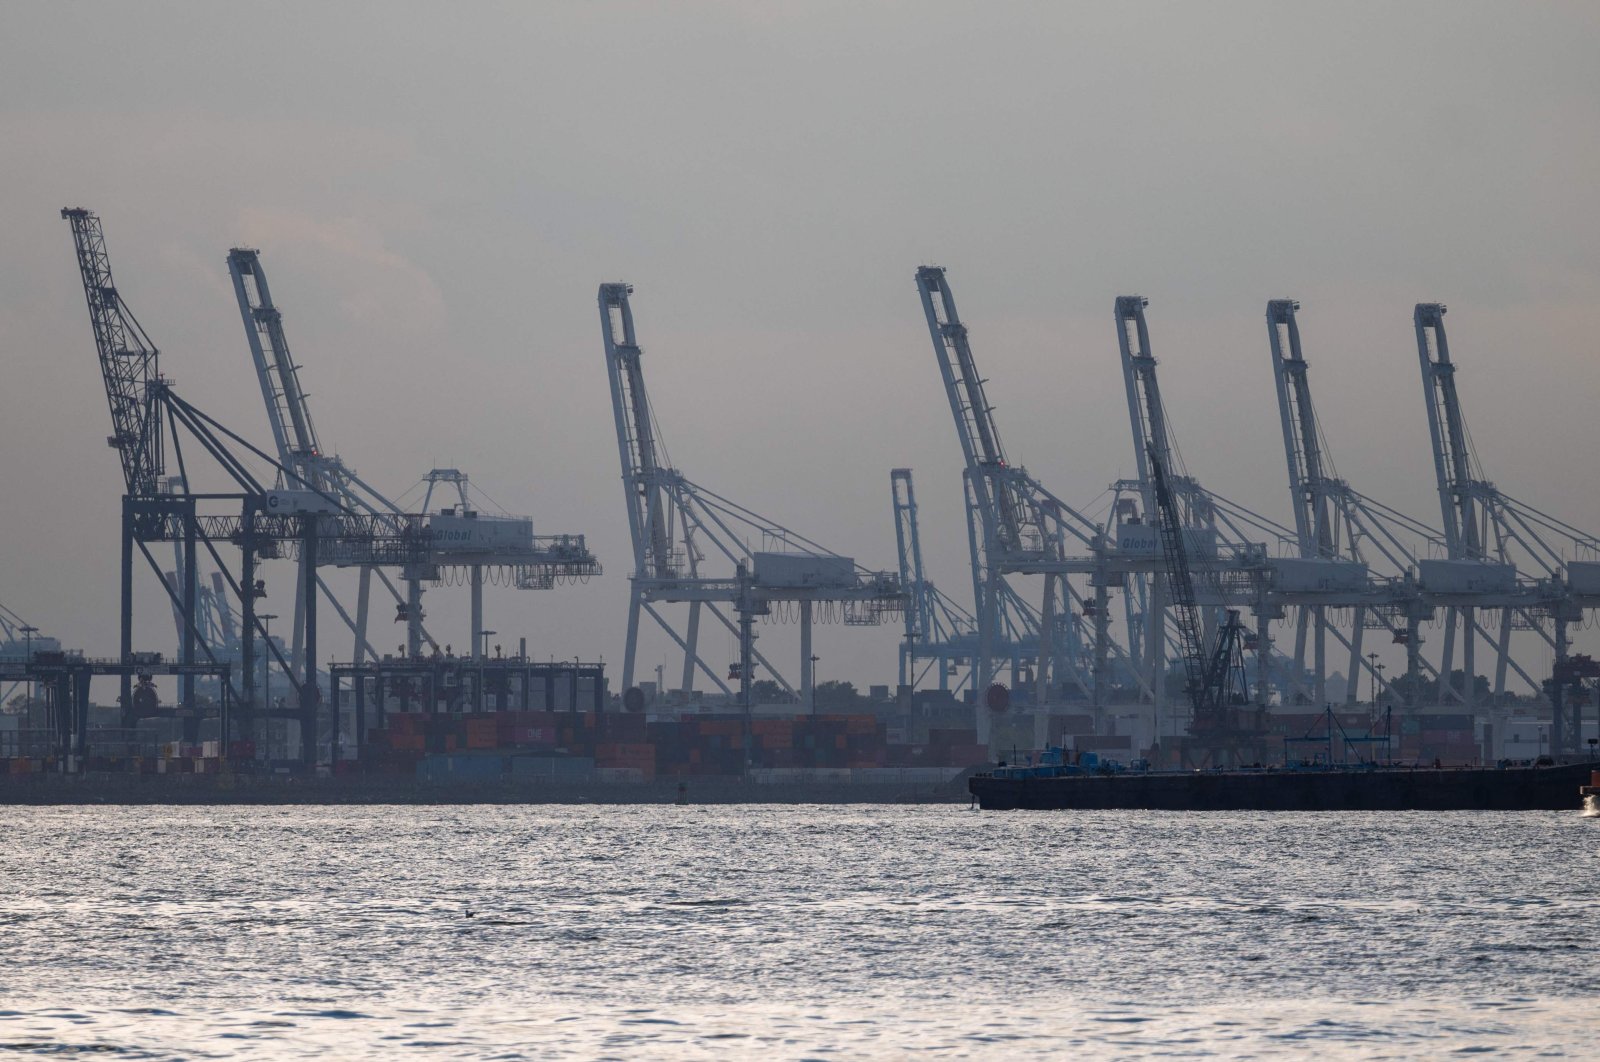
{"x": 675, "y": 525}
{"x": 937, "y": 629}
{"x": 1222, "y": 730}
{"x": 130, "y": 368}
{"x": 1224, "y": 540}
{"x": 1017, "y": 526}
{"x": 141, "y": 403}
{"x": 257, "y": 518}
{"x": 464, "y": 538}
{"x": 942, "y": 632}
{"x": 1486, "y": 533}
{"x": 1341, "y": 532}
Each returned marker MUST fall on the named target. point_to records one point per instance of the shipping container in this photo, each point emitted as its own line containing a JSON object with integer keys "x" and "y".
{"x": 464, "y": 767}
{"x": 553, "y": 768}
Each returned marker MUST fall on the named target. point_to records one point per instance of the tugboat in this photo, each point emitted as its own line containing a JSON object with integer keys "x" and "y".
{"x": 1591, "y": 795}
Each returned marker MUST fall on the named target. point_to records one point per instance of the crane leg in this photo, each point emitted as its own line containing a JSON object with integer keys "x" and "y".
{"x": 1263, "y": 659}
{"x": 692, "y": 650}
{"x": 477, "y": 611}
{"x": 191, "y": 600}
{"x": 1302, "y": 632}
{"x": 808, "y": 693}
{"x": 297, "y": 657}
{"x": 1102, "y": 650}
{"x": 1448, "y": 656}
{"x": 631, "y": 646}
{"x": 309, "y": 692}
{"x": 987, "y": 618}
{"x": 1320, "y": 656}
{"x": 1354, "y": 672}
{"x": 127, "y": 609}
{"x": 1502, "y": 657}
{"x": 1047, "y": 623}
{"x": 414, "y": 615}
{"x": 1155, "y": 648}
{"x": 363, "y": 597}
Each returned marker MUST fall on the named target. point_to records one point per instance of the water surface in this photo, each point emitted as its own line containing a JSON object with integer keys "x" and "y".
{"x": 793, "y": 932}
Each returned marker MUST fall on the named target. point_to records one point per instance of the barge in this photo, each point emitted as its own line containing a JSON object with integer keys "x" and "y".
{"x": 1539, "y": 787}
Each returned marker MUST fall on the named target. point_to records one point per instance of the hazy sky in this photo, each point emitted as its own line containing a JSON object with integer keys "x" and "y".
{"x": 437, "y": 190}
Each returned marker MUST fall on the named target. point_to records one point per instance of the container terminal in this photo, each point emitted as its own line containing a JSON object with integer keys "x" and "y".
{"x": 1173, "y": 631}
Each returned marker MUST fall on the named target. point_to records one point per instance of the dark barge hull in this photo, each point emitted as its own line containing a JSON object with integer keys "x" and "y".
{"x": 1379, "y": 789}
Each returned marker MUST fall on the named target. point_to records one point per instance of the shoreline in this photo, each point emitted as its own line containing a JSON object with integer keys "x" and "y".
{"x": 92, "y": 788}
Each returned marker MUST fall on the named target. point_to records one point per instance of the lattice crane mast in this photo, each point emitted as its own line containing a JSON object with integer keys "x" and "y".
{"x": 1224, "y": 533}
{"x": 1179, "y": 582}
{"x": 129, "y": 361}
{"x": 1214, "y": 676}
{"x": 130, "y": 368}
{"x": 263, "y": 522}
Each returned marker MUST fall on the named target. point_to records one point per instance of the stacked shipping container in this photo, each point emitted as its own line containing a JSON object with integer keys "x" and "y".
{"x": 625, "y": 747}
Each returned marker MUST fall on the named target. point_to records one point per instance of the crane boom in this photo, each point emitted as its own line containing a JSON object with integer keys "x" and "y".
{"x": 1452, "y": 456}
{"x": 974, "y": 417}
{"x": 1302, "y": 442}
{"x": 1179, "y": 581}
{"x": 648, "y": 513}
{"x": 668, "y": 519}
{"x": 129, "y": 361}
{"x": 287, "y": 412}
{"x": 1145, "y": 412}
{"x": 908, "y": 540}
{"x": 1148, "y": 418}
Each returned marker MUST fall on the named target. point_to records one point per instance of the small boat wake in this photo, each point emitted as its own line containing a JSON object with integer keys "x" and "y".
{"x": 1591, "y": 806}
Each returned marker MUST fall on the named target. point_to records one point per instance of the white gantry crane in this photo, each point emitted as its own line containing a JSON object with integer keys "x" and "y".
{"x": 462, "y": 537}
{"x": 1341, "y": 534}
{"x": 937, "y": 629}
{"x": 1487, "y": 533}
{"x": 681, "y": 530}
{"x": 1017, "y": 527}
{"x": 1226, "y": 544}
{"x": 940, "y": 633}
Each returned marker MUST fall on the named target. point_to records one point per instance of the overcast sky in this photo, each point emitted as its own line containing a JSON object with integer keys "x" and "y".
{"x": 437, "y": 190}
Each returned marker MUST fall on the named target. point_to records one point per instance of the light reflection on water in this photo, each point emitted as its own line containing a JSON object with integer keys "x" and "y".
{"x": 841, "y": 932}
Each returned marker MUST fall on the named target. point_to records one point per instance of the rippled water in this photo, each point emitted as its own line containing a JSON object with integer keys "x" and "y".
{"x": 809, "y": 932}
